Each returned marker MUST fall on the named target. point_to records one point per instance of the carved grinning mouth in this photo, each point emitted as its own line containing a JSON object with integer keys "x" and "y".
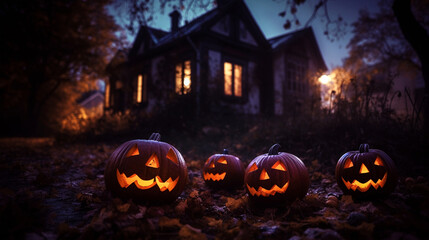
{"x": 125, "y": 181}
{"x": 214, "y": 177}
{"x": 363, "y": 187}
{"x": 265, "y": 192}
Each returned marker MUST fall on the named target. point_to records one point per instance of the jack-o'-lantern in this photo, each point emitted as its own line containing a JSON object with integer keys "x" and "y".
{"x": 223, "y": 171}
{"x": 366, "y": 173}
{"x": 146, "y": 171}
{"x": 276, "y": 177}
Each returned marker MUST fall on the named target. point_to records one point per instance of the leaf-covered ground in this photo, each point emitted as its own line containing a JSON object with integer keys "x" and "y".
{"x": 52, "y": 190}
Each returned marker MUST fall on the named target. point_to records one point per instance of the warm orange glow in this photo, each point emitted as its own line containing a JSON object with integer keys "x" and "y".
{"x": 107, "y": 96}
{"x": 348, "y": 163}
{"x": 153, "y": 161}
{"x": 232, "y": 79}
{"x": 134, "y": 151}
{"x": 363, "y": 187}
{"x": 265, "y": 192}
{"x": 187, "y": 78}
{"x": 378, "y": 161}
{"x": 363, "y": 169}
{"x": 222, "y": 160}
{"x": 237, "y": 80}
{"x": 279, "y": 166}
{"x": 172, "y": 156}
{"x": 228, "y": 78}
{"x": 253, "y": 168}
{"x": 324, "y": 79}
{"x": 264, "y": 175}
{"x": 139, "y": 88}
{"x": 179, "y": 78}
{"x": 212, "y": 165}
{"x": 183, "y": 77}
{"x": 125, "y": 181}
{"x": 214, "y": 177}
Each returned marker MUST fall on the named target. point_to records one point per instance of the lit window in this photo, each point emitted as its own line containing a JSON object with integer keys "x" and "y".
{"x": 107, "y": 96}
{"x": 141, "y": 88}
{"x": 183, "y": 77}
{"x": 233, "y": 77}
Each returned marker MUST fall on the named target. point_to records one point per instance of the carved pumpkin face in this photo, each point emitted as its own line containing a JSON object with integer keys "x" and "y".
{"x": 366, "y": 173}
{"x": 223, "y": 170}
{"x": 146, "y": 171}
{"x": 276, "y": 177}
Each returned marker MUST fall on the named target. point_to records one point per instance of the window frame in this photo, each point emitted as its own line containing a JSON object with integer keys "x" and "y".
{"x": 144, "y": 89}
{"x": 244, "y": 93}
{"x": 182, "y": 63}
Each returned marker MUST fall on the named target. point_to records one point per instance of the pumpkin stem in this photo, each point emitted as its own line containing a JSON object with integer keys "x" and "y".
{"x": 155, "y": 137}
{"x": 225, "y": 151}
{"x": 274, "y": 150}
{"x": 363, "y": 148}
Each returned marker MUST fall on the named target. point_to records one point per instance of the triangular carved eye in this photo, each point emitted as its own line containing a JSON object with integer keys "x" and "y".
{"x": 134, "y": 151}
{"x": 363, "y": 169}
{"x": 264, "y": 175}
{"x": 348, "y": 163}
{"x": 253, "y": 168}
{"x": 172, "y": 156}
{"x": 222, "y": 160}
{"x": 212, "y": 165}
{"x": 378, "y": 161}
{"x": 279, "y": 166}
{"x": 153, "y": 161}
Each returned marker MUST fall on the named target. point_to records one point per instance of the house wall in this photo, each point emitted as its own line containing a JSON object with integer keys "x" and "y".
{"x": 250, "y": 105}
{"x": 246, "y": 36}
{"x": 290, "y": 100}
{"x": 279, "y": 78}
{"x": 156, "y": 85}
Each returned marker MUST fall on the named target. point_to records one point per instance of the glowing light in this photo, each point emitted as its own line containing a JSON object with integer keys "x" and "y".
{"x": 324, "y": 79}
{"x": 139, "y": 88}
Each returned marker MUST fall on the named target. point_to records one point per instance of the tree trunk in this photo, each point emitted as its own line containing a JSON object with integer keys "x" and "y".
{"x": 418, "y": 38}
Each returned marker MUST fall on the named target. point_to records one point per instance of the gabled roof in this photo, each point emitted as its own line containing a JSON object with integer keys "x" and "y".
{"x": 87, "y": 97}
{"x": 200, "y": 23}
{"x": 286, "y": 40}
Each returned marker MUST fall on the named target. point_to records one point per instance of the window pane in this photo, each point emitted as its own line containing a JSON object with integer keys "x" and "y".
{"x": 107, "y": 96}
{"x": 139, "y": 88}
{"x": 227, "y": 78}
{"x": 187, "y": 78}
{"x": 237, "y": 80}
{"x": 179, "y": 78}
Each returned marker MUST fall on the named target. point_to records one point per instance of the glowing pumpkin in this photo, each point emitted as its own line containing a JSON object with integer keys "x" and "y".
{"x": 366, "y": 173}
{"x": 276, "y": 177}
{"x": 146, "y": 171}
{"x": 223, "y": 170}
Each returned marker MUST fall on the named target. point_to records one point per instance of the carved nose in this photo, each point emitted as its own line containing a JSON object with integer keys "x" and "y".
{"x": 363, "y": 169}
{"x": 264, "y": 175}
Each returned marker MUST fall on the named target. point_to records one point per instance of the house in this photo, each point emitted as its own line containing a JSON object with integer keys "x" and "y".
{"x": 219, "y": 61}
{"x": 91, "y": 104}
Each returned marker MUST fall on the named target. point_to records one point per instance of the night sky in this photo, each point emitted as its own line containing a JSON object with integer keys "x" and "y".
{"x": 271, "y": 24}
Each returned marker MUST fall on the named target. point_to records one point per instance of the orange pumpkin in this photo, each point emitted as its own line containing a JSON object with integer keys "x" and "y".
{"x": 276, "y": 177}
{"x": 223, "y": 171}
{"x": 366, "y": 173}
{"x": 146, "y": 171}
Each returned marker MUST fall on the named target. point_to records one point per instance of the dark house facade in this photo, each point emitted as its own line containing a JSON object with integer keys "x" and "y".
{"x": 221, "y": 60}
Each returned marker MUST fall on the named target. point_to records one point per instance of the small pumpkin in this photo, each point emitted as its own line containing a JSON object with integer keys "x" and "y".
{"x": 276, "y": 177}
{"x": 223, "y": 171}
{"x": 366, "y": 173}
{"x": 146, "y": 171}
